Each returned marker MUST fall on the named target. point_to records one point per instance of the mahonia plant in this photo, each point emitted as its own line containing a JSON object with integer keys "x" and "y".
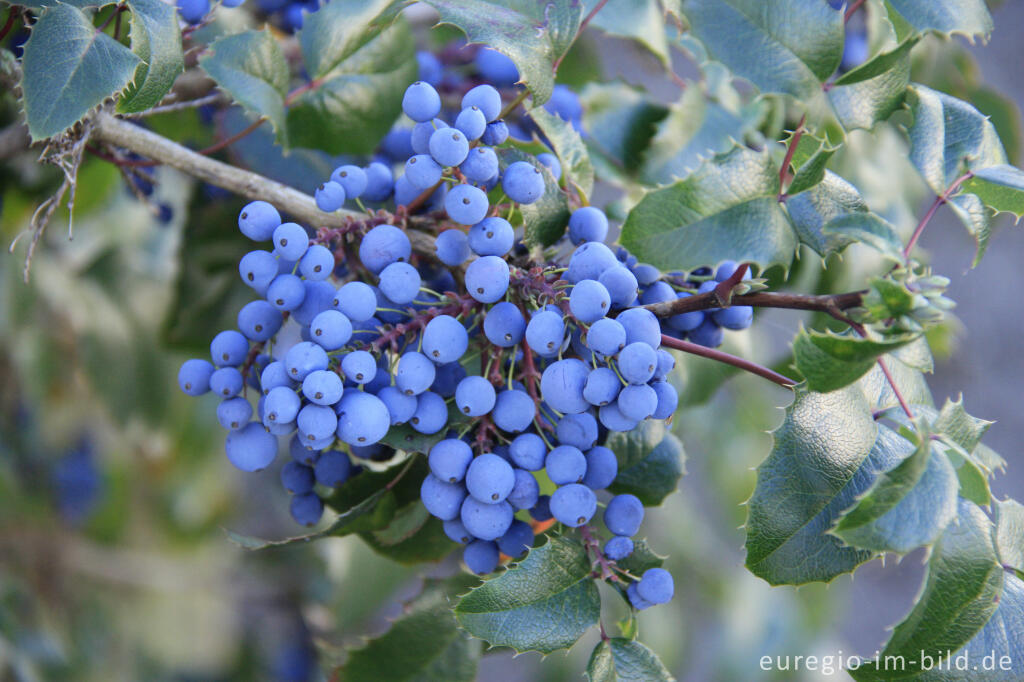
{"x": 453, "y": 349}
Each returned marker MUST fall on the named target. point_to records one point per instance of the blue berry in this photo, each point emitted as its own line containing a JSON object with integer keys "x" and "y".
{"x": 362, "y": 419}
{"x": 415, "y": 373}
{"x": 736, "y": 317}
{"x": 656, "y": 586}
{"x": 707, "y": 334}
{"x": 421, "y": 101}
{"x": 251, "y": 448}
{"x": 588, "y": 224}
{"x": 618, "y": 548}
{"x": 379, "y": 182}
{"x": 330, "y": 329}
{"x": 474, "y": 396}
{"x": 658, "y": 292}
{"x": 421, "y": 133}
{"x": 449, "y": 459}
{"x": 490, "y": 478}
{"x": 316, "y": 422}
{"x": 359, "y": 366}
{"x": 382, "y": 246}
{"x": 528, "y": 452}
{"x": 668, "y": 399}
{"x": 496, "y": 133}
{"x": 565, "y": 464}
{"x": 481, "y": 557}
{"x": 306, "y": 509}
{"x": 614, "y": 420}
{"x": 400, "y": 282}
{"x": 323, "y": 387}
{"x": 452, "y": 247}
{"x": 542, "y": 510}
{"x": 504, "y": 325}
{"x": 481, "y": 165}
{"x": 621, "y": 285}
{"x": 466, "y": 204}
{"x": 258, "y": 269}
{"x": 456, "y": 532}
{"x": 637, "y": 401}
{"x": 297, "y": 478}
{"x": 514, "y": 411}
{"x": 550, "y": 161}
{"x": 422, "y": 172}
{"x": 233, "y": 413}
{"x": 523, "y": 182}
{"x": 492, "y": 236}
{"x": 430, "y": 68}
{"x": 286, "y": 292}
{"x": 589, "y": 301}
{"x": 431, "y": 413}
{"x": 602, "y": 387}
{"x": 641, "y": 326}
{"x": 561, "y": 385}
{"x": 281, "y": 406}
{"x": 317, "y": 263}
{"x": 685, "y": 322}
{"x": 545, "y": 333}
{"x": 226, "y": 382}
{"x": 637, "y": 362}
{"x": 352, "y": 178}
{"x": 447, "y": 378}
{"x": 485, "y": 98}
{"x": 471, "y": 122}
{"x": 400, "y": 406}
{"x": 275, "y": 374}
{"x": 332, "y": 468}
{"x": 516, "y": 540}
{"x": 229, "y": 348}
{"x": 589, "y": 261}
{"x": 356, "y": 300}
{"x": 606, "y": 336}
{"x": 496, "y": 67}
{"x": 573, "y": 504}
{"x": 565, "y": 104}
{"x": 194, "y": 377}
{"x": 486, "y": 521}
{"x": 193, "y": 11}
{"x": 525, "y": 492}
{"x": 330, "y": 196}
{"x": 638, "y": 602}
{"x": 487, "y": 279}
{"x": 444, "y": 339}
{"x": 624, "y": 514}
{"x": 303, "y": 358}
{"x": 602, "y": 468}
{"x": 578, "y": 430}
{"x": 449, "y": 146}
{"x": 290, "y": 241}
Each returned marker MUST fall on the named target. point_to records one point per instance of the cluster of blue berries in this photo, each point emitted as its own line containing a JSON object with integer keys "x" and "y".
{"x": 518, "y": 370}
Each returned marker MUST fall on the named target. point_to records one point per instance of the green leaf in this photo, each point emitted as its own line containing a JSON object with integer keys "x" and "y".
{"x": 873, "y": 91}
{"x": 656, "y": 476}
{"x": 546, "y": 219}
{"x": 829, "y": 361}
{"x": 960, "y": 594}
{"x": 972, "y": 477}
{"x": 727, "y": 209}
{"x": 543, "y": 603}
{"x": 620, "y": 122}
{"x": 791, "y": 49}
{"x": 963, "y": 429}
{"x": 251, "y": 68}
{"x": 423, "y": 643}
{"x": 641, "y": 559}
{"x": 426, "y": 543}
{"x": 625, "y": 660}
{"x": 695, "y": 128}
{"x": 1001, "y": 188}
{"x": 358, "y": 100}
{"x": 80, "y": 4}
{"x": 823, "y": 457}
{"x": 338, "y": 30}
{"x": 1009, "y": 516}
{"x": 976, "y": 218}
{"x": 831, "y": 215}
{"x": 949, "y": 137}
{"x": 409, "y": 439}
{"x": 535, "y": 35}
{"x": 906, "y": 507}
{"x": 156, "y": 39}
{"x": 68, "y": 68}
{"x": 568, "y": 147}
{"x": 966, "y": 17}
{"x": 633, "y": 447}
{"x": 811, "y": 169}
{"x": 640, "y": 20}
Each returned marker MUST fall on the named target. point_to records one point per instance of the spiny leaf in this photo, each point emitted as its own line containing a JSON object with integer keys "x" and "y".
{"x": 966, "y": 17}
{"x": 633, "y": 447}
{"x": 625, "y": 660}
{"x": 543, "y": 603}
{"x": 569, "y": 147}
{"x": 976, "y": 217}
{"x": 156, "y": 39}
{"x": 727, "y": 209}
{"x": 810, "y": 171}
{"x": 907, "y": 507}
{"x": 960, "y": 594}
{"x": 655, "y": 477}
{"x": 829, "y": 361}
{"x": 251, "y": 68}
{"x": 790, "y": 49}
{"x": 1001, "y": 188}
{"x": 535, "y": 35}
{"x": 1009, "y": 515}
{"x": 873, "y": 91}
{"x": 954, "y": 422}
{"x": 338, "y": 30}
{"x": 68, "y": 68}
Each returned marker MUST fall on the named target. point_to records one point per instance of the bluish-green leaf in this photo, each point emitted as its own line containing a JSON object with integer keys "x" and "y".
{"x": 787, "y": 46}
{"x": 625, "y": 660}
{"x": 80, "y": 4}
{"x": 727, "y": 209}
{"x": 251, "y": 68}
{"x": 873, "y": 91}
{"x": 1000, "y": 188}
{"x": 640, "y": 559}
{"x": 543, "y": 603}
{"x": 569, "y": 147}
{"x": 954, "y": 422}
{"x": 546, "y": 219}
{"x": 620, "y": 122}
{"x": 1009, "y": 516}
{"x": 338, "y": 30}
{"x": 656, "y": 476}
{"x": 422, "y": 644}
{"x": 960, "y": 594}
{"x": 829, "y": 361}
{"x": 412, "y": 537}
{"x": 633, "y": 447}
{"x": 156, "y": 39}
{"x": 810, "y": 170}
{"x": 976, "y": 218}
{"x": 535, "y": 35}
{"x": 68, "y": 68}
{"x": 966, "y": 17}
{"x": 907, "y": 507}
{"x": 358, "y": 100}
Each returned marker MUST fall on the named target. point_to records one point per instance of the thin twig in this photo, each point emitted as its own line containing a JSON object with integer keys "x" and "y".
{"x": 728, "y": 359}
{"x": 790, "y": 150}
{"x": 852, "y": 10}
{"x": 579, "y": 31}
{"x": 895, "y": 388}
{"x": 179, "y": 106}
{"x": 939, "y": 201}
{"x": 832, "y": 304}
{"x": 9, "y": 24}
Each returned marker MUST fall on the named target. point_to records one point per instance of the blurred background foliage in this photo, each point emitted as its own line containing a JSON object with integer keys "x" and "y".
{"x": 115, "y": 494}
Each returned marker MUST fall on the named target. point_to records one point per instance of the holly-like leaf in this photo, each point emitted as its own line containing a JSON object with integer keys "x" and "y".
{"x": 68, "y": 68}
{"x": 357, "y": 100}
{"x": 625, "y": 660}
{"x": 831, "y": 215}
{"x": 1001, "y": 188}
{"x": 569, "y": 147}
{"x": 620, "y": 121}
{"x": 543, "y": 603}
{"x": 546, "y": 219}
{"x": 829, "y": 361}
{"x": 960, "y": 594}
{"x": 790, "y": 49}
{"x": 156, "y": 39}
{"x": 655, "y": 477}
{"x": 338, "y": 30}
{"x": 976, "y": 218}
{"x": 633, "y": 447}
{"x": 80, "y": 4}
{"x": 966, "y": 17}
{"x": 1009, "y": 516}
{"x": 423, "y": 643}
{"x": 873, "y": 91}
{"x": 535, "y": 35}
{"x": 824, "y": 456}
{"x": 963, "y": 429}
{"x": 907, "y": 507}
{"x": 251, "y": 68}
{"x": 810, "y": 170}
{"x": 949, "y": 137}
{"x": 727, "y": 209}
{"x": 695, "y": 129}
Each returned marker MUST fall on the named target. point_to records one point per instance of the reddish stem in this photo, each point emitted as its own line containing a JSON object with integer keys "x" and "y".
{"x": 579, "y": 31}
{"x": 939, "y": 201}
{"x": 851, "y": 10}
{"x": 895, "y": 389}
{"x": 726, "y": 358}
{"x": 790, "y": 150}
{"x": 9, "y": 24}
